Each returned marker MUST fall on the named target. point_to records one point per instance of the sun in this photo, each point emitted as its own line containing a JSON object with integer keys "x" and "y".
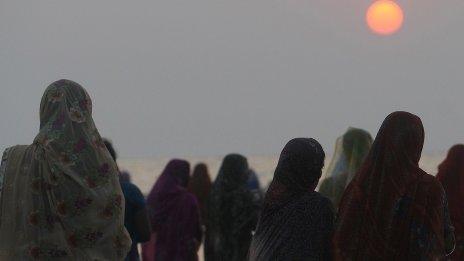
{"x": 384, "y": 17}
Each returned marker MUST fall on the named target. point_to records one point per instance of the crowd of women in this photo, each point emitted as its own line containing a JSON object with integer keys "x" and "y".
{"x": 64, "y": 198}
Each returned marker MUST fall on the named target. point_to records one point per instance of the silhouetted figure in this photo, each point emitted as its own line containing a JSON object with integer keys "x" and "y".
{"x": 200, "y": 186}
{"x": 125, "y": 176}
{"x": 175, "y": 217}
{"x": 60, "y": 197}
{"x": 451, "y": 176}
{"x": 296, "y": 222}
{"x": 136, "y": 215}
{"x": 393, "y": 210}
{"x": 350, "y": 152}
{"x": 232, "y": 212}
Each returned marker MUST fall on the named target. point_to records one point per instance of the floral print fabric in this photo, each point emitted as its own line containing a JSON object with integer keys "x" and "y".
{"x": 61, "y": 198}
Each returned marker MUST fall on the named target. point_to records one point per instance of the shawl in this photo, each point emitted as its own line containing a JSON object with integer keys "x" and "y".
{"x": 232, "y": 212}
{"x": 61, "y": 199}
{"x": 393, "y": 210}
{"x": 451, "y": 176}
{"x": 350, "y": 151}
{"x": 174, "y": 216}
{"x": 296, "y": 222}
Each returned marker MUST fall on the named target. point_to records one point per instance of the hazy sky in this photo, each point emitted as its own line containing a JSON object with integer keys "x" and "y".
{"x": 207, "y": 77}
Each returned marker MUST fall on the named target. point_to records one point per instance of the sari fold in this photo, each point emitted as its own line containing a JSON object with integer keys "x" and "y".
{"x": 451, "y": 176}
{"x": 392, "y": 209}
{"x": 174, "y": 216}
{"x": 296, "y": 222}
{"x": 61, "y": 198}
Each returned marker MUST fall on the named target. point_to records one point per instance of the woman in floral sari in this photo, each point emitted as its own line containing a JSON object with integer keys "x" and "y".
{"x": 60, "y": 197}
{"x": 451, "y": 176}
{"x": 393, "y": 210}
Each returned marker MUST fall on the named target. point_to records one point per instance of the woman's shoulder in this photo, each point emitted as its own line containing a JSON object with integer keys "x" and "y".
{"x": 10, "y": 150}
{"x": 317, "y": 201}
{"x": 432, "y": 183}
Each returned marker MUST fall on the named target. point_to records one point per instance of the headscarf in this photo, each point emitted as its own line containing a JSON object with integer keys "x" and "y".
{"x": 174, "y": 216}
{"x": 125, "y": 177}
{"x": 232, "y": 213}
{"x": 296, "y": 222}
{"x": 200, "y": 186}
{"x": 61, "y": 198}
{"x": 451, "y": 176}
{"x": 392, "y": 209}
{"x": 350, "y": 151}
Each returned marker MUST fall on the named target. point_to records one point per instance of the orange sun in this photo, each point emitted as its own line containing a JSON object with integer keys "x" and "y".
{"x": 384, "y": 17}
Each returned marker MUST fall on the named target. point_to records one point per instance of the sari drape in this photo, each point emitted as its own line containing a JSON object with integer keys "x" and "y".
{"x": 174, "y": 216}
{"x": 393, "y": 210}
{"x": 200, "y": 186}
{"x": 451, "y": 176}
{"x": 232, "y": 212}
{"x": 350, "y": 151}
{"x": 61, "y": 198}
{"x": 296, "y": 222}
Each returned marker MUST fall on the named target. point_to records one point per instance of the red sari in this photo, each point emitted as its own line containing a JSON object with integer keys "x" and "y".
{"x": 393, "y": 210}
{"x": 451, "y": 176}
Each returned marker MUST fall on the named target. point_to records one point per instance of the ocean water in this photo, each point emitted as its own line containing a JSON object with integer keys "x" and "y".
{"x": 145, "y": 171}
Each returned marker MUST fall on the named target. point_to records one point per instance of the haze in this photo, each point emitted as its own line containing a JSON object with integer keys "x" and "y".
{"x": 208, "y": 77}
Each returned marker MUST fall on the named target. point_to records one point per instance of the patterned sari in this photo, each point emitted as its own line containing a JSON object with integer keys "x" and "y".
{"x": 60, "y": 197}
{"x": 232, "y": 212}
{"x": 393, "y": 210}
{"x": 451, "y": 176}
{"x": 296, "y": 222}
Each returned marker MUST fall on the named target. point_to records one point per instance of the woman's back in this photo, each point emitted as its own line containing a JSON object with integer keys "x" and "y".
{"x": 296, "y": 222}
{"x": 393, "y": 210}
{"x": 232, "y": 213}
{"x": 174, "y": 215}
{"x": 61, "y": 197}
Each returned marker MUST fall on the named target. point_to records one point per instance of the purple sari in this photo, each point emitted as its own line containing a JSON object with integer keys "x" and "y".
{"x": 174, "y": 216}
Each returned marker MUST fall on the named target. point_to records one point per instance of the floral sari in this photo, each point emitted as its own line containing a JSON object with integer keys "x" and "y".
{"x": 60, "y": 197}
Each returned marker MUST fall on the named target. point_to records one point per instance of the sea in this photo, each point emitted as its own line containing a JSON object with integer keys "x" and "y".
{"x": 144, "y": 172}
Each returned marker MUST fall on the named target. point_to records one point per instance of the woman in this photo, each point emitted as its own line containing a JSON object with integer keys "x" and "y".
{"x": 232, "y": 213}
{"x": 175, "y": 217}
{"x": 135, "y": 214}
{"x": 350, "y": 151}
{"x": 393, "y": 210}
{"x": 200, "y": 186}
{"x": 60, "y": 197}
{"x": 296, "y": 222}
{"x": 451, "y": 176}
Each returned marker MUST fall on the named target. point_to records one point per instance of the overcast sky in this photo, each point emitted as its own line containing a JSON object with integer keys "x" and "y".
{"x": 208, "y": 77}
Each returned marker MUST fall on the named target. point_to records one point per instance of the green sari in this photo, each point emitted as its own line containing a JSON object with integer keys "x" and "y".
{"x": 350, "y": 151}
